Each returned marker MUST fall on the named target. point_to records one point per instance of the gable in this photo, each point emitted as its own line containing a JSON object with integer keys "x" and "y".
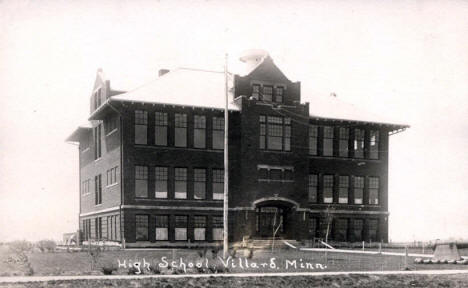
{"x": 268, "y": 71}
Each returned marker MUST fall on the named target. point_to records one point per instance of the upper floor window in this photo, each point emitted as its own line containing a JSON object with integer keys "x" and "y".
{"x": 374, "y": 144}
{"x": 180, "y": 130}
{"x": 327, "y": 141}
{"x": 358, "y": 189}
{"x": 141, "y": 127}
{"x": 358, "y": 143}
{"x": 313, "y": 139}
{"x": 328, "y": 184}
{"x": 218, "y": 184}
{"x": 374, "y": 190}
{"x": 160, "y": 128}
{"x": 199, "y": 134}
{"x": 343, "y": 189}
{"x": 313, "y": 188}
{"x": 98, "y": 189}
{"x": 218, "y": 133}
{"x": 343, "y": 142}
{"x": 111, "y": 176}
{"x": 279, "y": 92}
{"x": 97, "y": 141}
{"x": 275, "y": 133}
{"x": 110, "y": 124}
{"x": 141, "y": 181}
{"x": 85, "y": 187}
{"x": 199, "y": 183}
{"x": 267, "y": 93}
{"x": 255, "y": 91}
{"x": 180, "y": 185}
{"x": 161, "y": 177}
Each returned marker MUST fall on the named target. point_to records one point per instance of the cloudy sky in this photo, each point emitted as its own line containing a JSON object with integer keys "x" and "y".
{"x": 406, "y": 60}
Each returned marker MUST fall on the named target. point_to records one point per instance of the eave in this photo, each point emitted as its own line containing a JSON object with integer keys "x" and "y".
{"x": 78, "y": 134}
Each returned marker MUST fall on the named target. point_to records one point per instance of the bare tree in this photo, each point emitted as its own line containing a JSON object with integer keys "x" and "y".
{"x": 329, "y": 219}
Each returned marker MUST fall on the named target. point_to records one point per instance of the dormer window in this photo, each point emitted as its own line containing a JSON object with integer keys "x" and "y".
{"x": 267, "y": 93}
{"x": 279, "y": 94}
{"x": 255, "y": 91}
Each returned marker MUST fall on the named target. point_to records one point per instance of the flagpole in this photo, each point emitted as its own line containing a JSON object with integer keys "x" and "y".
{"x": 226, "y": 166}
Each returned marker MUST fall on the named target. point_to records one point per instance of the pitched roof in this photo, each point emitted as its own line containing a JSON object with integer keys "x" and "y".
{"x": 329, "y": 107}
{"x": 183, "y": 86}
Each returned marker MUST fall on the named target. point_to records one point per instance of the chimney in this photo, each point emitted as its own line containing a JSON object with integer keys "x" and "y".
{"x": 161, "y": 72}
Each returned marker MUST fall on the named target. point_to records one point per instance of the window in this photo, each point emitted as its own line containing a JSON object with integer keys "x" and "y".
{"x": 262, "y": 131}
{"x": 343, "y": 189}
{"x": 162, "y": 228}
{"x": 313, "y": 188}
{"x": 267, "y": 93}
{"x": 328, "y": 184}
{"x": 199, "y": 183}
{"x": 343, "y": 142}
{"x": 141, "y": 181}
{"x": 358, "y": 189}
{"x": 279, "y": 94}
{"x": 288, "y": 175}
{"x": 358, "y": 143}
{"x": 141, "y": 127}
{"x": 180, "y": 228}
{"x": 180, "y": 184}
{"x": 98, "y": 189}
{"x": 160, "y": 128}
{"x": 327, "y": 141}
{"x": 218, "y": 133}
{"x": 199, "y": 231}
{"x": 111, "y": 176}
{"x": 85, "y": 187}
{"x": 374, "y": 144}
{"x": 373, "y": 190}
{"x": 160, "y": 182}
{"x": 199, "y": 134}
{"x": 86, "y": 229}
{"x": 97, "y": 98}
{"x": 373, "y": 228}
{"x": 275, "y": 133}
{"x": 218, "y": 184}
{"x": 341, "y": 230}
{"x": 180, "y": 130}
{"x": 97, "y": 141}
{"x": 263, "y": 174}
{"x": 110, "y": 124}
{"x": 313, "y": 139}
{"x": 358, "y": 225}
{"x": 218, "y": 228}
{"x": 313, "y": 227}
{"x": 255, "y": 91}
{"x": 98, "y": 227}
{"x": 141, "y": 227}
{"x": 275, "y": 174}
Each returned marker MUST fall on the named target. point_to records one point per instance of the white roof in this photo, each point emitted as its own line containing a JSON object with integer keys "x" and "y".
{"x": 333, "y": 108}
{"x": 186, "y": 87}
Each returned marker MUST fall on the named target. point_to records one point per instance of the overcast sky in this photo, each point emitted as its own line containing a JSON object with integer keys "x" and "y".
{"x": 406, "y": 60}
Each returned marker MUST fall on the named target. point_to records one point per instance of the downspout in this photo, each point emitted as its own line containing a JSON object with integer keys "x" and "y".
{"x": 121, "y": 168}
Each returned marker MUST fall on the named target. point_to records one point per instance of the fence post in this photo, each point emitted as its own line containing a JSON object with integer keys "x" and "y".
{"x": 406, "y": 257}
{"x": 363, "y": 245}
{"x": 380, "y": 248}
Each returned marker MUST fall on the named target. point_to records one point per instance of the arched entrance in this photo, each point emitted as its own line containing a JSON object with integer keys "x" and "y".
{"x": 272, "y": 217}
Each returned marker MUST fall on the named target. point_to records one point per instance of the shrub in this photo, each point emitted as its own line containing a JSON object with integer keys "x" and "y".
{"x": 108, "y": 269}
{"x": 155, "y": 269}
{"x": 21, "y": 246}
{"x": 46, "y": 245}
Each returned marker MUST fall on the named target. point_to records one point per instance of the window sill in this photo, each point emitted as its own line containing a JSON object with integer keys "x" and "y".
{"x": 97, "y": 160}
{"x": 111, "y": 132}
{"x": 146, "y": 146}
{"x": 343, "y": 158}
{"x": 112, "y": 185}
{"x": 275, "y": 181}
{"x": 85, "y": 150}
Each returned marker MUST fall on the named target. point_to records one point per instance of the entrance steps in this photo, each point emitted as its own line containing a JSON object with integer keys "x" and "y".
{"x": 268, "y": 243}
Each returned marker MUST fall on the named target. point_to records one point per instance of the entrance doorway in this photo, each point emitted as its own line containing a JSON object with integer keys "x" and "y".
{"x": 270, "y": 221}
